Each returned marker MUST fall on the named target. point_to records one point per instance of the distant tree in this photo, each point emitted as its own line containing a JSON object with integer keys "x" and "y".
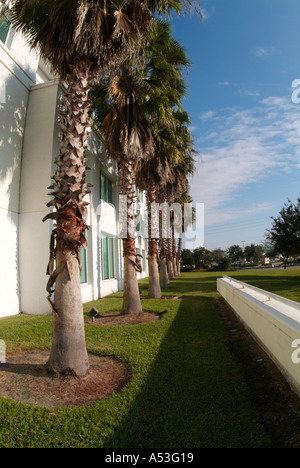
{"x": 187, "y": 258}
{"x": 217, "y": 255}
{"x": 285, "y": 231}
{"x": 202, "y": 257}
{"x": 270, "y": 250}
{"x": 220, "y": 259}
{"x": 235, "y": 253}
{"x": 254, "y": 253}
{"x": 224, "y": 263}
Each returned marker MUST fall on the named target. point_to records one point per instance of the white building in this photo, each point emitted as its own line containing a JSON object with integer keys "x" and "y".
{"x": 29, "y": 143}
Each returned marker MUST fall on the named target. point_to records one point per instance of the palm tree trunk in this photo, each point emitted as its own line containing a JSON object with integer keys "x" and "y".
{"x": 154, "y": 283}
{"x": 170, "y": 259}
{"x": 131, "y": 294}
{"x": 170, "y": 251}
{"x": 164, "y": 278}
{"x": 69, "y": 353}
{"x": 179, "y": 255}
{"x": 174, "y": 253}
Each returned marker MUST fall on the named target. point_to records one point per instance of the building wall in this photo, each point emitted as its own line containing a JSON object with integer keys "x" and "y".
{"x": 29, "y": 144}
{"x": 16, "y": 77}
{"x": 272, "y": 320}
{"x": 40, "y": 147}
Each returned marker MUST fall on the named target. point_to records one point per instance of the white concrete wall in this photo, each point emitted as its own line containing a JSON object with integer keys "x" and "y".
{"x": 16, "y": 77}
{"x": 274, "y": 321}
{"x": 29, "y": 143}
{"x": 39, "y": 150}
{"x": 9, "y": 278}
{"x": 102, "y": 219}
{"x": 18, "y": 73}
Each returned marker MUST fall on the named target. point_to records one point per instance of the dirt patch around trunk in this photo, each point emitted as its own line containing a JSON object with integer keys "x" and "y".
{"x": 117, "y": 319}
{"x": 276, "y": 403}
{"x": 24, "y": 378}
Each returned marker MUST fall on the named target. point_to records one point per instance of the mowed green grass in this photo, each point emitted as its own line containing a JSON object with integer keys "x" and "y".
{"x": 185, "y": 392}
{"x": 285, "y": 283}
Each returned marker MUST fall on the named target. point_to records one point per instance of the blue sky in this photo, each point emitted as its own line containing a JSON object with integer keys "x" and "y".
{"x": 245, "y": 55}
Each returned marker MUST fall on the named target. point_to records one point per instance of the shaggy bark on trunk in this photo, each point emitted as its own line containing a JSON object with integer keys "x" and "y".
{"x": 164, "y": 277}
{"x": 179, "y": 256}
{"x": 69, "y": 353}
{"x": 163, "y": 224}
{"x": 154, "y": 282}
{"x": 131, "y": 295}
{"x": 170, "y": 259}
{"x": 173, "y": 245}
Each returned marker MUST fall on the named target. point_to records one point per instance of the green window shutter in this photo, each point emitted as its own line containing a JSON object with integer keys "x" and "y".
{"x": 111, "y": 251}
{"x": 4, "y": 28}
{"x": 105, "y": 263}
{"x": 103, "y": 191}
{"x": 83, "y": 276}
{"x": 109, "y": 191}
{"x": 108, "y": 257}
{"x": 106, "y": 189}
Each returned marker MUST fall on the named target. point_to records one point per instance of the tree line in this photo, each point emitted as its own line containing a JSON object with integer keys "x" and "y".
{"x": 219, "y": 259}
{"x": 282, "y": 242}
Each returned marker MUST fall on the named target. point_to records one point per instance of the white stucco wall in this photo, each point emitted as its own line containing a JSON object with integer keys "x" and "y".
{"x": 16, "y": 77}
{"x": 274, "y": 321}
{"x": 29, "y": 143}
{"x": 9, "y": 282}
{"x": 39, "y": 150}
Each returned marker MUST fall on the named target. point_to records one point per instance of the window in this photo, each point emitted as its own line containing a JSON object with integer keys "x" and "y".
{"x": 139, "y": 195}
{"x": 83, "y": 277}
{"x": 4, "y": 28}
{"x": 106, "y": 189}
{"x": 108, "y": 257}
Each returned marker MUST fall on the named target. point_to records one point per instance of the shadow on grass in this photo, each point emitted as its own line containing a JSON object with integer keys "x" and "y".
{"x": 193, "y": 395}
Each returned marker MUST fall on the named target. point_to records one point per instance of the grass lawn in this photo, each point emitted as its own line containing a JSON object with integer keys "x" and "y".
{"x": 285, "y": 283}
{"x": 186, "y": 390}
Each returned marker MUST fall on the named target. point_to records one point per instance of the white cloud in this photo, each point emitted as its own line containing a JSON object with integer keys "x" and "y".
{"x": 233, "y": 214}
{"x": 207, "y": 10}
{"x": 207, "y": 115}
{"x": 248, "y": 92}
{"x": 225, "y": 83}
{"x": 241, "y": 148}
{"x": 193, "y": 128}
{"x": 205, "y": 14}
{"x": 262, "y": 52}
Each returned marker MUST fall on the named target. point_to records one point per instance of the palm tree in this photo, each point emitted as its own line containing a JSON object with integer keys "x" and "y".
{"x": 153, "y": 177}
{"x": 178, "y": 187}
{"x": 184, "y": 169}
{"x": 167, "y": 59}
{"x": 133, "y": 102}
{"x": 178, "y": 144}
{"x": 127, "y": 139}
{"x": 81, "y": 39}
{"x": 185, "y": 198}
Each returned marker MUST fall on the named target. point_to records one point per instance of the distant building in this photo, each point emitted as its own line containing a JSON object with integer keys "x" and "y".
{"x": 29, "y": 142}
